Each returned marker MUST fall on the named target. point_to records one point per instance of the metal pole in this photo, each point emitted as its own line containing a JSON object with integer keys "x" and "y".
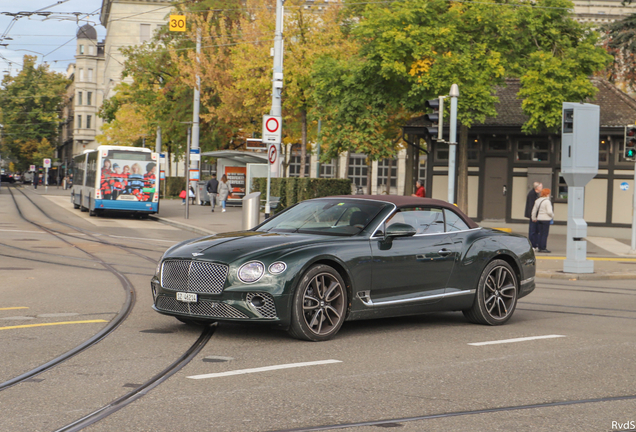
{"x": 318, "y": 149}
{"x": 633, "y": 249}
{"x": 197, "y": 99}
{"x": 158, "y": 168}
{"x": 187, "y": 176}
{"x": 452, "y": 143}
{"x": 277, "y": 88}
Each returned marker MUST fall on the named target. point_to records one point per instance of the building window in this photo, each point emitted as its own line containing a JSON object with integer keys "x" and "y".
{"x": 79, "y": 98}
{"x": 497, "y": 145}
{"x": 90, "y": 75}
{"x": 358, "y": 169}
{"x": 533, "y": 150}
{"x": 328, "y": 170}
{"x": 81, "y": 49}
{"x": 473, "y": 149}
{"x": 88, "y": 121}
{"x": 294, "y": 163}
{"x": 144, "y": 33}
{"x": 561, "y": 194}
{"x": 441, "y": 152}
{"x": 89, "y": 98}
{"x": 91, "y": 50}
{"x": 383, "y": 172}
{"x": 603, "y": 151}
{"x": 81, "y": 75}
{"x": 79, "y": 121}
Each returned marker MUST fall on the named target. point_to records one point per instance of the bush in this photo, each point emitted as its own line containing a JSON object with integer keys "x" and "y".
{"x": 292, "y": 190}
{"x": 174, "y": 186}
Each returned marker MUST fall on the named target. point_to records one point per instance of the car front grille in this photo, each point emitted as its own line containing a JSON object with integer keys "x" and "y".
{"x": 268, "y": 309}
{"x": 193, "y": 276}
{"x": 201, "y": 308}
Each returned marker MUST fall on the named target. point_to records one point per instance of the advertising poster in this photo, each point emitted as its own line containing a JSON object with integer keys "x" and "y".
{"x": 236, "y": 181}
{"x": 128, "y": 176}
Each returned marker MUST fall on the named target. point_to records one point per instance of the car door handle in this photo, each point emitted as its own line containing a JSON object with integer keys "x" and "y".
{"x": 445, "y": 252}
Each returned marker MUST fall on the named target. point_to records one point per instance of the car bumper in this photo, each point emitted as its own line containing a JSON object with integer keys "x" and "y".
{"x": 526, "y": 287}
{"x": 243, "y": 304}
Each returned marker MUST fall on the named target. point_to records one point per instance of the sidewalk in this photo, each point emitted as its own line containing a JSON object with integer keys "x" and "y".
{"x": 610, "y": 261}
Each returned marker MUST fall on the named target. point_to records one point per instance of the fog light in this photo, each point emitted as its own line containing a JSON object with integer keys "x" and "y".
{"x": 257, "y": 301}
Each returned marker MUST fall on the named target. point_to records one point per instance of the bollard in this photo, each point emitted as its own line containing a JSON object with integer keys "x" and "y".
{"x": 251, "y": 210}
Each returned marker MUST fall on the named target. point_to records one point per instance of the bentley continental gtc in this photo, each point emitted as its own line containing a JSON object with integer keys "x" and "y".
{"x": 329, "y": 260}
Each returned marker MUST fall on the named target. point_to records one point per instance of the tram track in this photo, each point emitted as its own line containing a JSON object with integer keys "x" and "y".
{"x": 119, "y": 318}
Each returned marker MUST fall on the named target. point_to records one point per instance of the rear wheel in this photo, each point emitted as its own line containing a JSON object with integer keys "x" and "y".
{"x": 319, "y": 306}
{"x": 496, "y": 297}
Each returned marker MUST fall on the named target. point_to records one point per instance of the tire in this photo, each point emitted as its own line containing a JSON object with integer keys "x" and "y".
{"x": 496, "y": 297}
{"x": 319, "y": 306}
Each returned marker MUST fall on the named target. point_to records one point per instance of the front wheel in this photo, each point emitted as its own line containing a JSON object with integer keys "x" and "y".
{"x": 319, "y": 306}
{"x": 496, "y": 297}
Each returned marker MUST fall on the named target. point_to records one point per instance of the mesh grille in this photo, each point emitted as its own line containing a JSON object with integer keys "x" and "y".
{"x": 193, "y": 276}
{"x": 202, "y": 308}
{"x": 268, "y": 310}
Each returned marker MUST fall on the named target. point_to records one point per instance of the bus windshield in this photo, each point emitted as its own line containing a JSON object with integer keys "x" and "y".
{"x": 127, "y": 175}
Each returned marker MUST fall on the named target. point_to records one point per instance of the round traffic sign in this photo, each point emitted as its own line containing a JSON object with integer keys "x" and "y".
{"x": 271, "y": 125}
{"x": 272, "y": 154}
{"x": 624, "y": 186}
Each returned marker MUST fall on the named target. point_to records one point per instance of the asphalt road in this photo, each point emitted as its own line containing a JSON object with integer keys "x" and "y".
{"x": 421, "y": 373}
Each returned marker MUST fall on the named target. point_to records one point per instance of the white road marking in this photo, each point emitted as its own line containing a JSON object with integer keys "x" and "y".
{"x": 263, "y": 369}
{"x": 524, "y": 339}
{"x": 24, "y": 231}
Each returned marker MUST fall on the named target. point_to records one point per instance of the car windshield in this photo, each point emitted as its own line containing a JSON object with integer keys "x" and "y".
{"x": 340, "y": 217}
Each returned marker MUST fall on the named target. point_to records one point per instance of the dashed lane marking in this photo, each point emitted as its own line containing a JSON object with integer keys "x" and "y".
{"x": 524, "y": 339}
{"x": 617, "y": 259}
{"x": 52, "y": 324}
{"x": 263, "y": 369}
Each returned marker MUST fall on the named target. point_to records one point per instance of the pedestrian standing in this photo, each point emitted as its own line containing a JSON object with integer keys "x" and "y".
{"x": 543, "y": 215}
{"x": 213, "y": 188}
{"x": 420, "y": 191}
{"x": 224, "y": 191}
{"x": 192, "y": 195}
{"x": 534, "y": 193}
{"x": 36, "y": 179}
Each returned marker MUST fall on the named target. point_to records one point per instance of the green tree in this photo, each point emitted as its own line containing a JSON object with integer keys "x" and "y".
{"x": 30, "y": 105}
{"x": 620, "y": 41}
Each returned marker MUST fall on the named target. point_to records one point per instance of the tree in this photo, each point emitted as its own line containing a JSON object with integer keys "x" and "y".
{"x": 620, "y": 41}
{"x": 30, "y": 104}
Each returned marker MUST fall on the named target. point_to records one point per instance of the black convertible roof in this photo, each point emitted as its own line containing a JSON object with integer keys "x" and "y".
{"x": 410, "y": 201}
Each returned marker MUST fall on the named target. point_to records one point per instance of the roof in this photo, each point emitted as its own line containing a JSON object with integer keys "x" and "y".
{"x": 87, "y": 31}
{"x": 401, "y": 201}
{"x": 238, "y": 156}
{"x": 617, "y": 108}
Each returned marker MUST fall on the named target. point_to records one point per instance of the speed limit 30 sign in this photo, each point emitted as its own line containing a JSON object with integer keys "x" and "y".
{"x": 272, "y": 127}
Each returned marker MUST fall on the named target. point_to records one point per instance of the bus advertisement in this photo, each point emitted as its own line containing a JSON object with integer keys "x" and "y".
{"x": 116, "y": 178}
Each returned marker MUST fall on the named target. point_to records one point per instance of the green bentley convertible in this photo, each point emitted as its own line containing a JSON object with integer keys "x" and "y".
{"x": 328, "y": 260}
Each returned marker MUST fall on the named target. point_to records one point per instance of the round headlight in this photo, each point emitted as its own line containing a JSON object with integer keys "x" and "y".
{"x": 278, "y": 267}
{"x": 251, "y": 272}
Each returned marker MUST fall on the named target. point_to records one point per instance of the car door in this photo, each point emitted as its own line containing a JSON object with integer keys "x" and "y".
{"x": 413, "y": 269}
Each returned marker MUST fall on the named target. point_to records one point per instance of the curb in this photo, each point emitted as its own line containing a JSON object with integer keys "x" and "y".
{"x": 584, "y": 276}
{"x": 181, "y": 225}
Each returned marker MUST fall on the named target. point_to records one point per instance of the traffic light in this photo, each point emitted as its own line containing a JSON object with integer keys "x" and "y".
{"x": 436, "y": 130}
{"x": 629, "y": 149}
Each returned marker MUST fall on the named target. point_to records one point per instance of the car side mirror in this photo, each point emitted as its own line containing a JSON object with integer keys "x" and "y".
{"x": 399, "y": 230}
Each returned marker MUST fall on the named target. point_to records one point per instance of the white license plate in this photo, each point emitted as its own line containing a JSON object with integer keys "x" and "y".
{"x": 187, "y": 297}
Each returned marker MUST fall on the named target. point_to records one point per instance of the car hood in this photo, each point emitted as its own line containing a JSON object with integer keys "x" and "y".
{"x": 229, "y": 247}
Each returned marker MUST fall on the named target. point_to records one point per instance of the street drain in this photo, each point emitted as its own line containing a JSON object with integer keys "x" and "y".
{"x": 216, "y": 359}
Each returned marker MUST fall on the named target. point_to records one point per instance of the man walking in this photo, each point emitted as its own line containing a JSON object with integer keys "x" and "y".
{"x": 213, "y": 188}
{"x": 533, "y": 234}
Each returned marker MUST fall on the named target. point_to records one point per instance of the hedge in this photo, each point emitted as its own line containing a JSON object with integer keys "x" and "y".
{"x": 292, "y": 190}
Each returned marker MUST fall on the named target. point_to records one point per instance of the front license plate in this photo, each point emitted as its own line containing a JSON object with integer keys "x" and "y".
{"x": 187, "y": 297}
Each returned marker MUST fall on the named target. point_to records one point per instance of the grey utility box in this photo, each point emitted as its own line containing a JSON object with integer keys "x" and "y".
{"x": 579, "y": 143}
{"x": 579, "y": 165}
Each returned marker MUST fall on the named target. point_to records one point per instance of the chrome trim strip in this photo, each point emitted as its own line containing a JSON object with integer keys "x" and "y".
{"x": 366, "y": 299}
{"x": 527, "y": 281}
{"x": 382, "y": 223}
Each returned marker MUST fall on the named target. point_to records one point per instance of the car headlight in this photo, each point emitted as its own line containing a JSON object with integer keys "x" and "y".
{"x": 158, "y": 269}
{"x": 277, "y": 268}
{"x": 251, "y": 272}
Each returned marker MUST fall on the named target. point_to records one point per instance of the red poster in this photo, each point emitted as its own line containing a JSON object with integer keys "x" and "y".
{"x": 236, "y": 181}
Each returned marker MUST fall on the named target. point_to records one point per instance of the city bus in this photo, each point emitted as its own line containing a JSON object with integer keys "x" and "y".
{"x": 116, "y": 178}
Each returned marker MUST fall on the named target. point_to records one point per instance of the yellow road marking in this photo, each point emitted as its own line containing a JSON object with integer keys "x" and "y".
{"x": 52, "y": 324}
{"x": 13, "y": 308}
{"x": 590, "y": 258}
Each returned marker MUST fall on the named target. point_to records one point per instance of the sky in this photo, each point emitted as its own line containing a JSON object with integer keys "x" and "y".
{"x": 51, "y": 38}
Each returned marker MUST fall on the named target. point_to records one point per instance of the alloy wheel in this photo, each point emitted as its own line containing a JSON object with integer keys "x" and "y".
{"x": 500, "y": 292}
{"x": 323, "y": 304}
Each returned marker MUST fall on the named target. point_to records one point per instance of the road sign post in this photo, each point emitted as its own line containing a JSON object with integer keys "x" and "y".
{"x": 177, "y": 23}
{"x": 46, "y": 163}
